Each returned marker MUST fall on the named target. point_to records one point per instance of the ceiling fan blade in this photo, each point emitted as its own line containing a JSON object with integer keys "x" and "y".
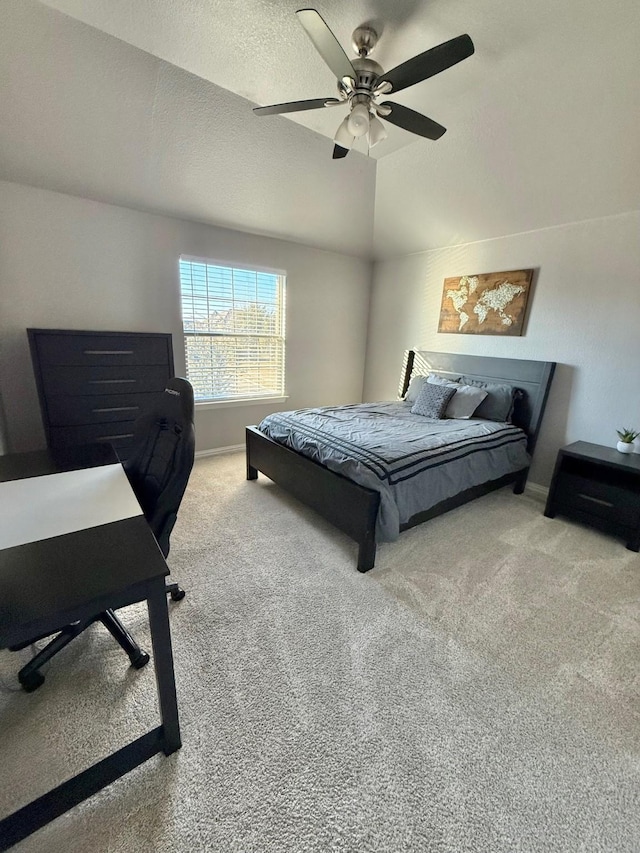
{"x": 427, "y": 64}
{"x": 415, "y": 122}
{"x": 296, "y": 106}
{"x": 326, "y": 43}
{"x": 339, "y": 152}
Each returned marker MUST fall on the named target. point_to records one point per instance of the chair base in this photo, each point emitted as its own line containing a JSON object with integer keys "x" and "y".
{"x": 175, "y": 591}
{"x": 31, "y": 678}
{"x": 31, "y": 681}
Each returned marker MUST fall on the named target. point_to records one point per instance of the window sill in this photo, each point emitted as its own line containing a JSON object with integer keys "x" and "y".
{"x": 246, "y": 401}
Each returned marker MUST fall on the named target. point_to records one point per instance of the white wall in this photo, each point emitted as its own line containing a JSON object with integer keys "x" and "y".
{"x": 67, "y": 262}
{"x": 584, "y": 313}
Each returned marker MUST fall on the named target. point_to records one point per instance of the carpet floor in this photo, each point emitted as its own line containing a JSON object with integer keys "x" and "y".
{"x": 478, "y": 691}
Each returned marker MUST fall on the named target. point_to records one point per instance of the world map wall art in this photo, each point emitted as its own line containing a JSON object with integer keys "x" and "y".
{"x": 485, "y": 304}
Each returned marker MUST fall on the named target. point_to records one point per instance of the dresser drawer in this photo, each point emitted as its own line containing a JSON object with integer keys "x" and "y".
{"x": 110, "y": 408}
{"x": 119, "y": 435}
{"x": 101, "y": 349}
{"x": 100, "y": 379}
{"x": 598, "y": 497}
{"x": 93, "y": 384}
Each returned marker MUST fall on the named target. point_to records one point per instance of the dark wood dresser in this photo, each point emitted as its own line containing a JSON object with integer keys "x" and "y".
{"x": 599, "y": 486}
{"x": 93, "y": 385}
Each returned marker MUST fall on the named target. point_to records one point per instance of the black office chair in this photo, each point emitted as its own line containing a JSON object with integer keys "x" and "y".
{"x": 158, "y": 470}
{"x": 161, "y": 462}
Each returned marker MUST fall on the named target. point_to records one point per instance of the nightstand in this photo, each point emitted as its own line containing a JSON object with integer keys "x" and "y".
{"x": 599, "y": 486}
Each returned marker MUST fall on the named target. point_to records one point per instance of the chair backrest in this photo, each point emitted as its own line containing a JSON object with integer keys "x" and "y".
{"x": 161, "y": 462}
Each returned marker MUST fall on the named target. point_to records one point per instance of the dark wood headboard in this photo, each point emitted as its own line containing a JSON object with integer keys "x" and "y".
{"x": 533, "y": 378}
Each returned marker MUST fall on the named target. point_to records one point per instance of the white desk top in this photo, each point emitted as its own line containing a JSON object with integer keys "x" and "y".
{"x": 55, "y": 504}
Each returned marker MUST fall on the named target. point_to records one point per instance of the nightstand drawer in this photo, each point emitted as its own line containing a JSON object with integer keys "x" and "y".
{"x": 110, "y": 408}
{"x": 599, "y": 498}
{"x": 101, "y": 349}
{"x": 81, "y": 381}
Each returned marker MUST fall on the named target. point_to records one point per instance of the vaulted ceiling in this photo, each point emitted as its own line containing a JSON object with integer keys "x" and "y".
{"x": 543, "y": 121}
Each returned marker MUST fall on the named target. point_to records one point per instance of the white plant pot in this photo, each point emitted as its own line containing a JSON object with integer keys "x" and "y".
{"x": 625, "y": 447}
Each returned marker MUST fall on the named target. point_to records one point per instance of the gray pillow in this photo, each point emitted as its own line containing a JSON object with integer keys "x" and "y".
{"x": 498, "y": 404}
{"x": 464, "y": 402}
{"x": 432, "y": 401}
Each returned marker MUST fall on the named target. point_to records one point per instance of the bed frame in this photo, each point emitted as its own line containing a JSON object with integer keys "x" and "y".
{"x": 353, "y": 508}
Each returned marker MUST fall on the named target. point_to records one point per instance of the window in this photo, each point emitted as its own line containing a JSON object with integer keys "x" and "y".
{"x": 233, "y": 322}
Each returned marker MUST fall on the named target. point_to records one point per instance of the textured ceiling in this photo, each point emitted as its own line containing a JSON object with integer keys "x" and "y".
{"x": 86, "y": 114}
{"x": 259, "y": 49}
{"x": 543, "y": 120}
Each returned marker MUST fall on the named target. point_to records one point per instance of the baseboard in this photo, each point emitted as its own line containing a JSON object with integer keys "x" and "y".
{"x": 538, "y": 493}
{"x": 217, "y": 451}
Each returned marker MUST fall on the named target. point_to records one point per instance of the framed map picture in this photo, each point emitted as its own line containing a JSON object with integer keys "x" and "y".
{"x": 487, "y": 304}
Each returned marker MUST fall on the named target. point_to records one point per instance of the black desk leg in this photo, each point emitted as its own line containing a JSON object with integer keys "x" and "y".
{"x": 163, "y": 663}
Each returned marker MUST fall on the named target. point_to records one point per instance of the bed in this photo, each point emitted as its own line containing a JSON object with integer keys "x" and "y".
{"x": 382, "y": 471}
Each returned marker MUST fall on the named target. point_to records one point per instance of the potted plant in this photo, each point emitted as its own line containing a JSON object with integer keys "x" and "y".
{"x": 627, "y": 437}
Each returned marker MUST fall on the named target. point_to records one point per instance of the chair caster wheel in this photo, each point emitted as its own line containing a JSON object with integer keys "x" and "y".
{"x": 140, "y": 660}
{"x": 177, "y": 594}
{"x": 31, "y": 682}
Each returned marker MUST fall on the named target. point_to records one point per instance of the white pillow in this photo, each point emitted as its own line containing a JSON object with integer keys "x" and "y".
{"x": 417, "y": 381}
{"x": 415, "y": 387}
{"x": 464, "y": 402}
{"x": 435, "y": 379}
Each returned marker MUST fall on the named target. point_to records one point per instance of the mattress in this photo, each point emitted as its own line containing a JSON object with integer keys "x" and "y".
{"x": 412, "y": 461}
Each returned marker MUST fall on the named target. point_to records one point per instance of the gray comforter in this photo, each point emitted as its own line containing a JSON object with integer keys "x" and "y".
{"x": 414, "y": 462}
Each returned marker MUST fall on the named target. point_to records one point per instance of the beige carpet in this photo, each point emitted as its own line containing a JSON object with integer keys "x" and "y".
{"x": 478, "y": 691}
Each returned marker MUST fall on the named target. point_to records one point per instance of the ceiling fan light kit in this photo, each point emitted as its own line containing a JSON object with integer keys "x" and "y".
{"x": 358, "y": 121}
{"x": 343, "y": 136}
{"x": 377, "y": 131}
{"x": 361, "y": 82}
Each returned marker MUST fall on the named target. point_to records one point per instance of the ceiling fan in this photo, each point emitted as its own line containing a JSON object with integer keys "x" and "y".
{"x": 362, "y": 82}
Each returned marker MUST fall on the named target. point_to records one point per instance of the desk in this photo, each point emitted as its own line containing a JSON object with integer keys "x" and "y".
{"x": 49, "y": 583}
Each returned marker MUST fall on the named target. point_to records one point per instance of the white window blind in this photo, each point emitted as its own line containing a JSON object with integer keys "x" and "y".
{"x": 233, "y": 321}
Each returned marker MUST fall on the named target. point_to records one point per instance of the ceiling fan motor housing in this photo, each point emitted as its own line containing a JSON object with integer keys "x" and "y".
{"x": 368, "y": 72}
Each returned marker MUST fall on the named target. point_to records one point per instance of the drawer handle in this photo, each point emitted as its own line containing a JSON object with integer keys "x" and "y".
{"x": 113, "y": 437}
{"x": 595, "y": 500}
{"x": 117, "y": 409}
{"x": 107, "y": 352}
{"x": 109, "y": 381}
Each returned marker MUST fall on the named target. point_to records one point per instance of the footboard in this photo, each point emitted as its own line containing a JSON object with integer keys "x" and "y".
{"x": 350, "y": 507}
